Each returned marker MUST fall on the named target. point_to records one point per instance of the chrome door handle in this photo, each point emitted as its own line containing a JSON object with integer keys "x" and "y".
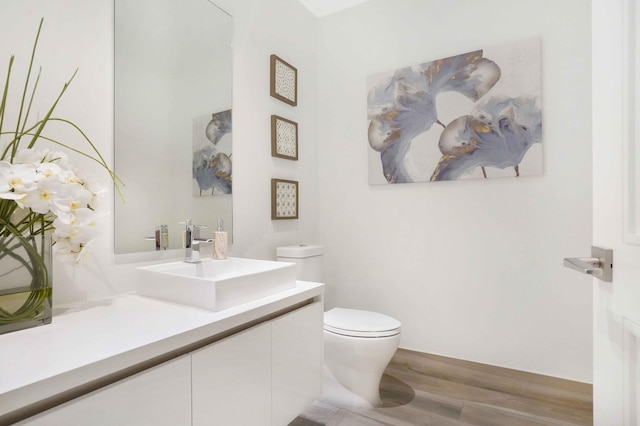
{"x": 586, "y": 265}
{"x": 600, "y": 264}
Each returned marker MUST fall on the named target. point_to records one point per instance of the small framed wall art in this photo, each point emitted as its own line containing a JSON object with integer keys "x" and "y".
{"x": 284, "y": 138}
{"x": 284, "y": 81}
{"x": 284, "y": 199}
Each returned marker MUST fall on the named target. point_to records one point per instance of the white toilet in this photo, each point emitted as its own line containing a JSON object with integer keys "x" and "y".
{"x": 358, "y": 344}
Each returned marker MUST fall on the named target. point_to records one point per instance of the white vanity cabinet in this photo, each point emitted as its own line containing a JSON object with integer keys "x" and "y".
{"x": 265, "y": 375}
{"x": 159, "y": 396}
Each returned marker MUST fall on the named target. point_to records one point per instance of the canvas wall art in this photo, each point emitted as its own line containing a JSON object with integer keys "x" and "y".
{"x": 473, "y": 115}
{"x": 212, "y": 154}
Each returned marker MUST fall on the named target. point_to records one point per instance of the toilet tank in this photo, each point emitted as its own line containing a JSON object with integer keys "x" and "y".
{"x": 308, "y": 260}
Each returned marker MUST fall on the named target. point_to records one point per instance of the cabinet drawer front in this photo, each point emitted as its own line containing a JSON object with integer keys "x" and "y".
{"x": 231, "y": 380}
{"x": 297, "y": 362}
{"x": 160, "y": 396}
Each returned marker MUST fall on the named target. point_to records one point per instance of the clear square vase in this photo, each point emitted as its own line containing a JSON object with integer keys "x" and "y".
{"x": 25, "y": 282}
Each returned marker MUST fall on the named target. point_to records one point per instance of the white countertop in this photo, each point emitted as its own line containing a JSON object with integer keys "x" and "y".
{"x": 99, "y": 338}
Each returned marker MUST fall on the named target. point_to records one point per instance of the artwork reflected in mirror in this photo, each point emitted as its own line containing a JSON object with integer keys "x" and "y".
{"x": 212, "y": 155}
{"x": 173, "y": 71}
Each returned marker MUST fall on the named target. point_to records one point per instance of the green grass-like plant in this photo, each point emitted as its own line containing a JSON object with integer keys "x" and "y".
{"x": 18, "y": 220}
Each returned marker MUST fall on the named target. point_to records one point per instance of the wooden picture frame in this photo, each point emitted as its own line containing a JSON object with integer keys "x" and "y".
{"x": 284, "y": 199}
{"x": 284, "y": 138}
{"x": 284, "y": 81}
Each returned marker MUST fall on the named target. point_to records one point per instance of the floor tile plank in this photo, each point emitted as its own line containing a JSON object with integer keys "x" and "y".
{"x": 481, "y": 415}
{"x": 347, "y": 418}
{"x": 521, "y": 383}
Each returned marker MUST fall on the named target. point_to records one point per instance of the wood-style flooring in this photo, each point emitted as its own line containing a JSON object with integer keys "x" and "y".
{"x": 423, "y": 389}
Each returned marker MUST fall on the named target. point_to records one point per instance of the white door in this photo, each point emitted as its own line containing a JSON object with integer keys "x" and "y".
{"x": 616, "y": 212}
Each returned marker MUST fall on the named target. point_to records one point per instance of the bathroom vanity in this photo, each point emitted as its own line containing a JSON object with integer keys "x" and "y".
{"x": 136, "y": 360}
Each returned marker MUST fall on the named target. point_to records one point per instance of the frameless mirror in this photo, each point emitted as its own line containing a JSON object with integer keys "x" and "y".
{"x": 173, "y": 67}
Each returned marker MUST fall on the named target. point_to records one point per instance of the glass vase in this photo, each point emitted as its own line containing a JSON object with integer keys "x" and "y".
{"x": 25, "y": 282}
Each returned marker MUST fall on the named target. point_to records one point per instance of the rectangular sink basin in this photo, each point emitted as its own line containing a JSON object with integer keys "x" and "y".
{"x": 215, "y": 284}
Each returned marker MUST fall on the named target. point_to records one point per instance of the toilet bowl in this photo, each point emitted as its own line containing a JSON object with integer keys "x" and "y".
{"x": 358, "y": 344}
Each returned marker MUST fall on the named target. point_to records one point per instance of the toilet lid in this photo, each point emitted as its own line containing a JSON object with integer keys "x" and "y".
{"x": 356, "y": 323}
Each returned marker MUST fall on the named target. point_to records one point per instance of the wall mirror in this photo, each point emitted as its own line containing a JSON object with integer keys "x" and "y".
{"x": 173, "y": 70}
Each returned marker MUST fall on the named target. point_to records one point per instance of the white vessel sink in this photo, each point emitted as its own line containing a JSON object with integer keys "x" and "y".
{"x": 215, "y": 284}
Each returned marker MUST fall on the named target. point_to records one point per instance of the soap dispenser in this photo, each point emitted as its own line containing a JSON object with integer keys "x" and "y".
{"x": 220, "y": 242}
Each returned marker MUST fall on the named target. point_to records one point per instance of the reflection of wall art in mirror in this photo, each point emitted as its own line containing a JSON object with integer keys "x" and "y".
{"x": 478, "y": 116}
{"x": 212, "y": 154}
{"x": 284, "y": 81}
{"x": 284, "y": 199}
{"x": 284, "y": 138}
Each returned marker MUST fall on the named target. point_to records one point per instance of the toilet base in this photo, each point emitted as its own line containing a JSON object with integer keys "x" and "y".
{"x": 339, "y": 396}
{"x": 353, "y": 368}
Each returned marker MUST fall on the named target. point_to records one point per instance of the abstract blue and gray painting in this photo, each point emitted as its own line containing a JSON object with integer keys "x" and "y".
{"x": 474, "y": 115}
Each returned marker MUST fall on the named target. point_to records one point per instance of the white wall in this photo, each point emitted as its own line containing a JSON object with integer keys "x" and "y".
{"x": 472, "y": 269}
{"x": 79, "y": 33}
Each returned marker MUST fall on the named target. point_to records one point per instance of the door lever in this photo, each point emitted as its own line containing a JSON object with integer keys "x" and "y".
{"x": 600, "y": 264}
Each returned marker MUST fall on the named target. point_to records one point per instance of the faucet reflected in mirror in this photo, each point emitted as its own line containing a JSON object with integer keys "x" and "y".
{"x": 163, "y": 109}
{"x": 161, "y": 237}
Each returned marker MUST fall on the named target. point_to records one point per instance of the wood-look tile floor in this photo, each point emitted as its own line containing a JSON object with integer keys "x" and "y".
{"x": 423, "y": 389}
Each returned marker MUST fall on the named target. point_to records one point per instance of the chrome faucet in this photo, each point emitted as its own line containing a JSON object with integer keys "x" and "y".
{"x": 192, "y": 241}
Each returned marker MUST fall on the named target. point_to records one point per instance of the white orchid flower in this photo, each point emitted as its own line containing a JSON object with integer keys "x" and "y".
{"x": 41, "y": 199}
{"x": 48, "y": 169}
{"x": 29, "y": 156}
{"x": 72, "y": 197}
{"x": 6, "y": 191}
{"x": 19, "y": 178}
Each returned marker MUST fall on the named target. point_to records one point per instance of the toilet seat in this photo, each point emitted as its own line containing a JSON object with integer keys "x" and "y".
{"x": 357, "y": 323}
